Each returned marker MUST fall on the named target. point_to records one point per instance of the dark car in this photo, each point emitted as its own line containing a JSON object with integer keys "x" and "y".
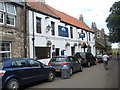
{"x": 87, "y": 59}
{"x": 21, "y": 71}
{"x": 99, "y": 57}
{"x": 57, "y": 61}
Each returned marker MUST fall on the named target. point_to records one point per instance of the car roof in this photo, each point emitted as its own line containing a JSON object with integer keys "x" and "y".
{"x": 60, "y": 56}
{"x": 14, "y": 59}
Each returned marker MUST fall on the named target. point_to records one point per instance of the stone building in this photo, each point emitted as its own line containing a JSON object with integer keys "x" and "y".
{"x": 12, "y": 30}
{"x": 102, "y": 42}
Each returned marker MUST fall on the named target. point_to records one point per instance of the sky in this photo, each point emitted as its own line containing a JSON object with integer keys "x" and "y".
{"x": 92, "y": 10}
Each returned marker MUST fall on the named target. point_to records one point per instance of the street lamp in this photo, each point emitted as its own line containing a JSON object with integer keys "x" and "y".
{"x": 48, "y": 28}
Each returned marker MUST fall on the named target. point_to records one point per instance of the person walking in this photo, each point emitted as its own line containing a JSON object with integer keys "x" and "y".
{"x": 105, "y": 60}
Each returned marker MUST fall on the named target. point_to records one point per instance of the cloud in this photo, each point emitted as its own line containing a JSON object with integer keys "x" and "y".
{"x": 92, "y": 10}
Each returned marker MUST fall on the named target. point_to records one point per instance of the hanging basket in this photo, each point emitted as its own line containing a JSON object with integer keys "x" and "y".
{"x": 67, "y": 44}
{"x": 79, "y": 44}
{"x": 49, "y": 43}
{"x": 75, "y": 44}
{"x": 89, "y": 46}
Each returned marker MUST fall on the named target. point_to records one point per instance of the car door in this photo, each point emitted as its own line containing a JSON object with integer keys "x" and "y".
{"x": 73, "y": 63}
{"x": 22, "y": 71}
{"x": 38, "y": 72}
{"x": 77, "y": 63}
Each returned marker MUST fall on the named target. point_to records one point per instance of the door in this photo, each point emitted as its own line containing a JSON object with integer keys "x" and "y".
{"x": 22, "y": 70}
{"x": 72, "y": 51}
{"x": 74, "y": 63}
{"x": 38, "y": 72}
{"x": 57, "y": 51}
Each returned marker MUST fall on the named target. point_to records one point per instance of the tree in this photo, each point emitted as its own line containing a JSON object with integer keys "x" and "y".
{"x": 113, "y": 22}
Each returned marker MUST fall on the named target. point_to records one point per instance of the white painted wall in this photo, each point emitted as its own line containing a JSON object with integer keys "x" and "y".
{"x": 59, "y": 42}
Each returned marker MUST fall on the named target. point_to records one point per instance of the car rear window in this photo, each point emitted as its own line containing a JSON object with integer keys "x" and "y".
{"x": 1, "y": 65}
{"x": 59, "y": 59}
{"x": 83, "y": 55}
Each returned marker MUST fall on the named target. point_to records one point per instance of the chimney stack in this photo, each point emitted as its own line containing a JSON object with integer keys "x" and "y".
{"x": 94, "y": 25}
{"x": 81, "y": 18}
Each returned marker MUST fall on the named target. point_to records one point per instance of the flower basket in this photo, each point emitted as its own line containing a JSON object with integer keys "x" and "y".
{"x": 75, "y": 44}
{"x": 79, "y": 44}
{"x": 67, "y": 44}
{"x": 49, "y": 43}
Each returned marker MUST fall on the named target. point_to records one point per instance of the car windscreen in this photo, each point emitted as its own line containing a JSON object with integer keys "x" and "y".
{"x": 1, "y": 65}
{"x": 83, "y": 55}
{"x": 57, "y": 59}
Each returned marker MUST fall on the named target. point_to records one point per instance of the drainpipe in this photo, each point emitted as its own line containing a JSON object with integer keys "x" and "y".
{"x": 25, "y": 30}
{"x": 33, "y": 39}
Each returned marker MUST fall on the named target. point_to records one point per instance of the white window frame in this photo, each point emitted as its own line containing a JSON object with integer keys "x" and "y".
{"x": 14, "y": 20}
{"x": 6, "y": 51}
{"x": 3, "y": 7}
{"x": 8, "y": 10}
{"x": 12, "y": 14}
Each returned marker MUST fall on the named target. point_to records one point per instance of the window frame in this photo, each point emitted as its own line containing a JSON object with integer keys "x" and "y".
{"x": 39, "y": 31}
{"x": 13, "y": 21}
{"x": 71, "y": 32}
{"x": 52, "y": 28}
{"x": 7, "y": 11}
{"x": 3, "y": 7}
{"x": 6, "y": 52}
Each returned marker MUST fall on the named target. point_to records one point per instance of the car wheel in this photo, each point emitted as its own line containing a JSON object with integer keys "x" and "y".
{"x": 12, "y": 84}
{"x": 71, "y": 71}
{"x": 81, "y": 68}
{"x": 88, "y": 64}
{"x": 51, "y": 76}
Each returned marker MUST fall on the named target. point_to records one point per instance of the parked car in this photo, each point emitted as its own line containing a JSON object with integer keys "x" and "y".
{"x": 57, "y": 61}
{"x": 21, "y": 71}
{"x": 99, "y": 57}
{"x": 87, "y": 59}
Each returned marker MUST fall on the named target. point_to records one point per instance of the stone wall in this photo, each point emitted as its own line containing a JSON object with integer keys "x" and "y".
{"x": 15, "y": 34}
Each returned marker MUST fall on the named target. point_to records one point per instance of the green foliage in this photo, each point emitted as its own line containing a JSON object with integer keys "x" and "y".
{"x": 113, "y": 22}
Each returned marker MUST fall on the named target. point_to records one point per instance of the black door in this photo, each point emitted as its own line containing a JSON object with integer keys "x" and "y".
{"x": 57, "y": 51}
{"x": 72, "y": 50}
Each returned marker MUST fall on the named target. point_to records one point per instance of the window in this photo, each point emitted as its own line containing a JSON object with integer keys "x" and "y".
{"x": 1, "y": 12}
{"x": 34, "y": 63}
{"x": 42, "y": 52}
{"x": 11, "y": 9}
{"x": 52, "y": 28}
{"x": 38, "y": 25}
{"x": 11, "y": 12}
{"x": 1, "y": 17}
{"x": 5, "y": 50}
{"x": 89, "y": 36}
{"x": 2, "y": 6}
{"x": 82, "y": 37}
{"x": 10, "y": 19}
{"x": 19, "y": 63}
{"x": 7, "y": 13}
{"x": 71, "y": 32}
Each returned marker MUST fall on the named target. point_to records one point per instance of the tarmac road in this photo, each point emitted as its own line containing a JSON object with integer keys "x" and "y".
{"x": 93, "y": 77}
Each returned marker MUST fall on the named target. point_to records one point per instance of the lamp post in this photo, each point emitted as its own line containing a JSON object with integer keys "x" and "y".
{"x": 48, "y": 28}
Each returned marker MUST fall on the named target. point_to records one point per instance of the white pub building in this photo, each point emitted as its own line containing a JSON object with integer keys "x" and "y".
{"x": 54, "y": 33}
